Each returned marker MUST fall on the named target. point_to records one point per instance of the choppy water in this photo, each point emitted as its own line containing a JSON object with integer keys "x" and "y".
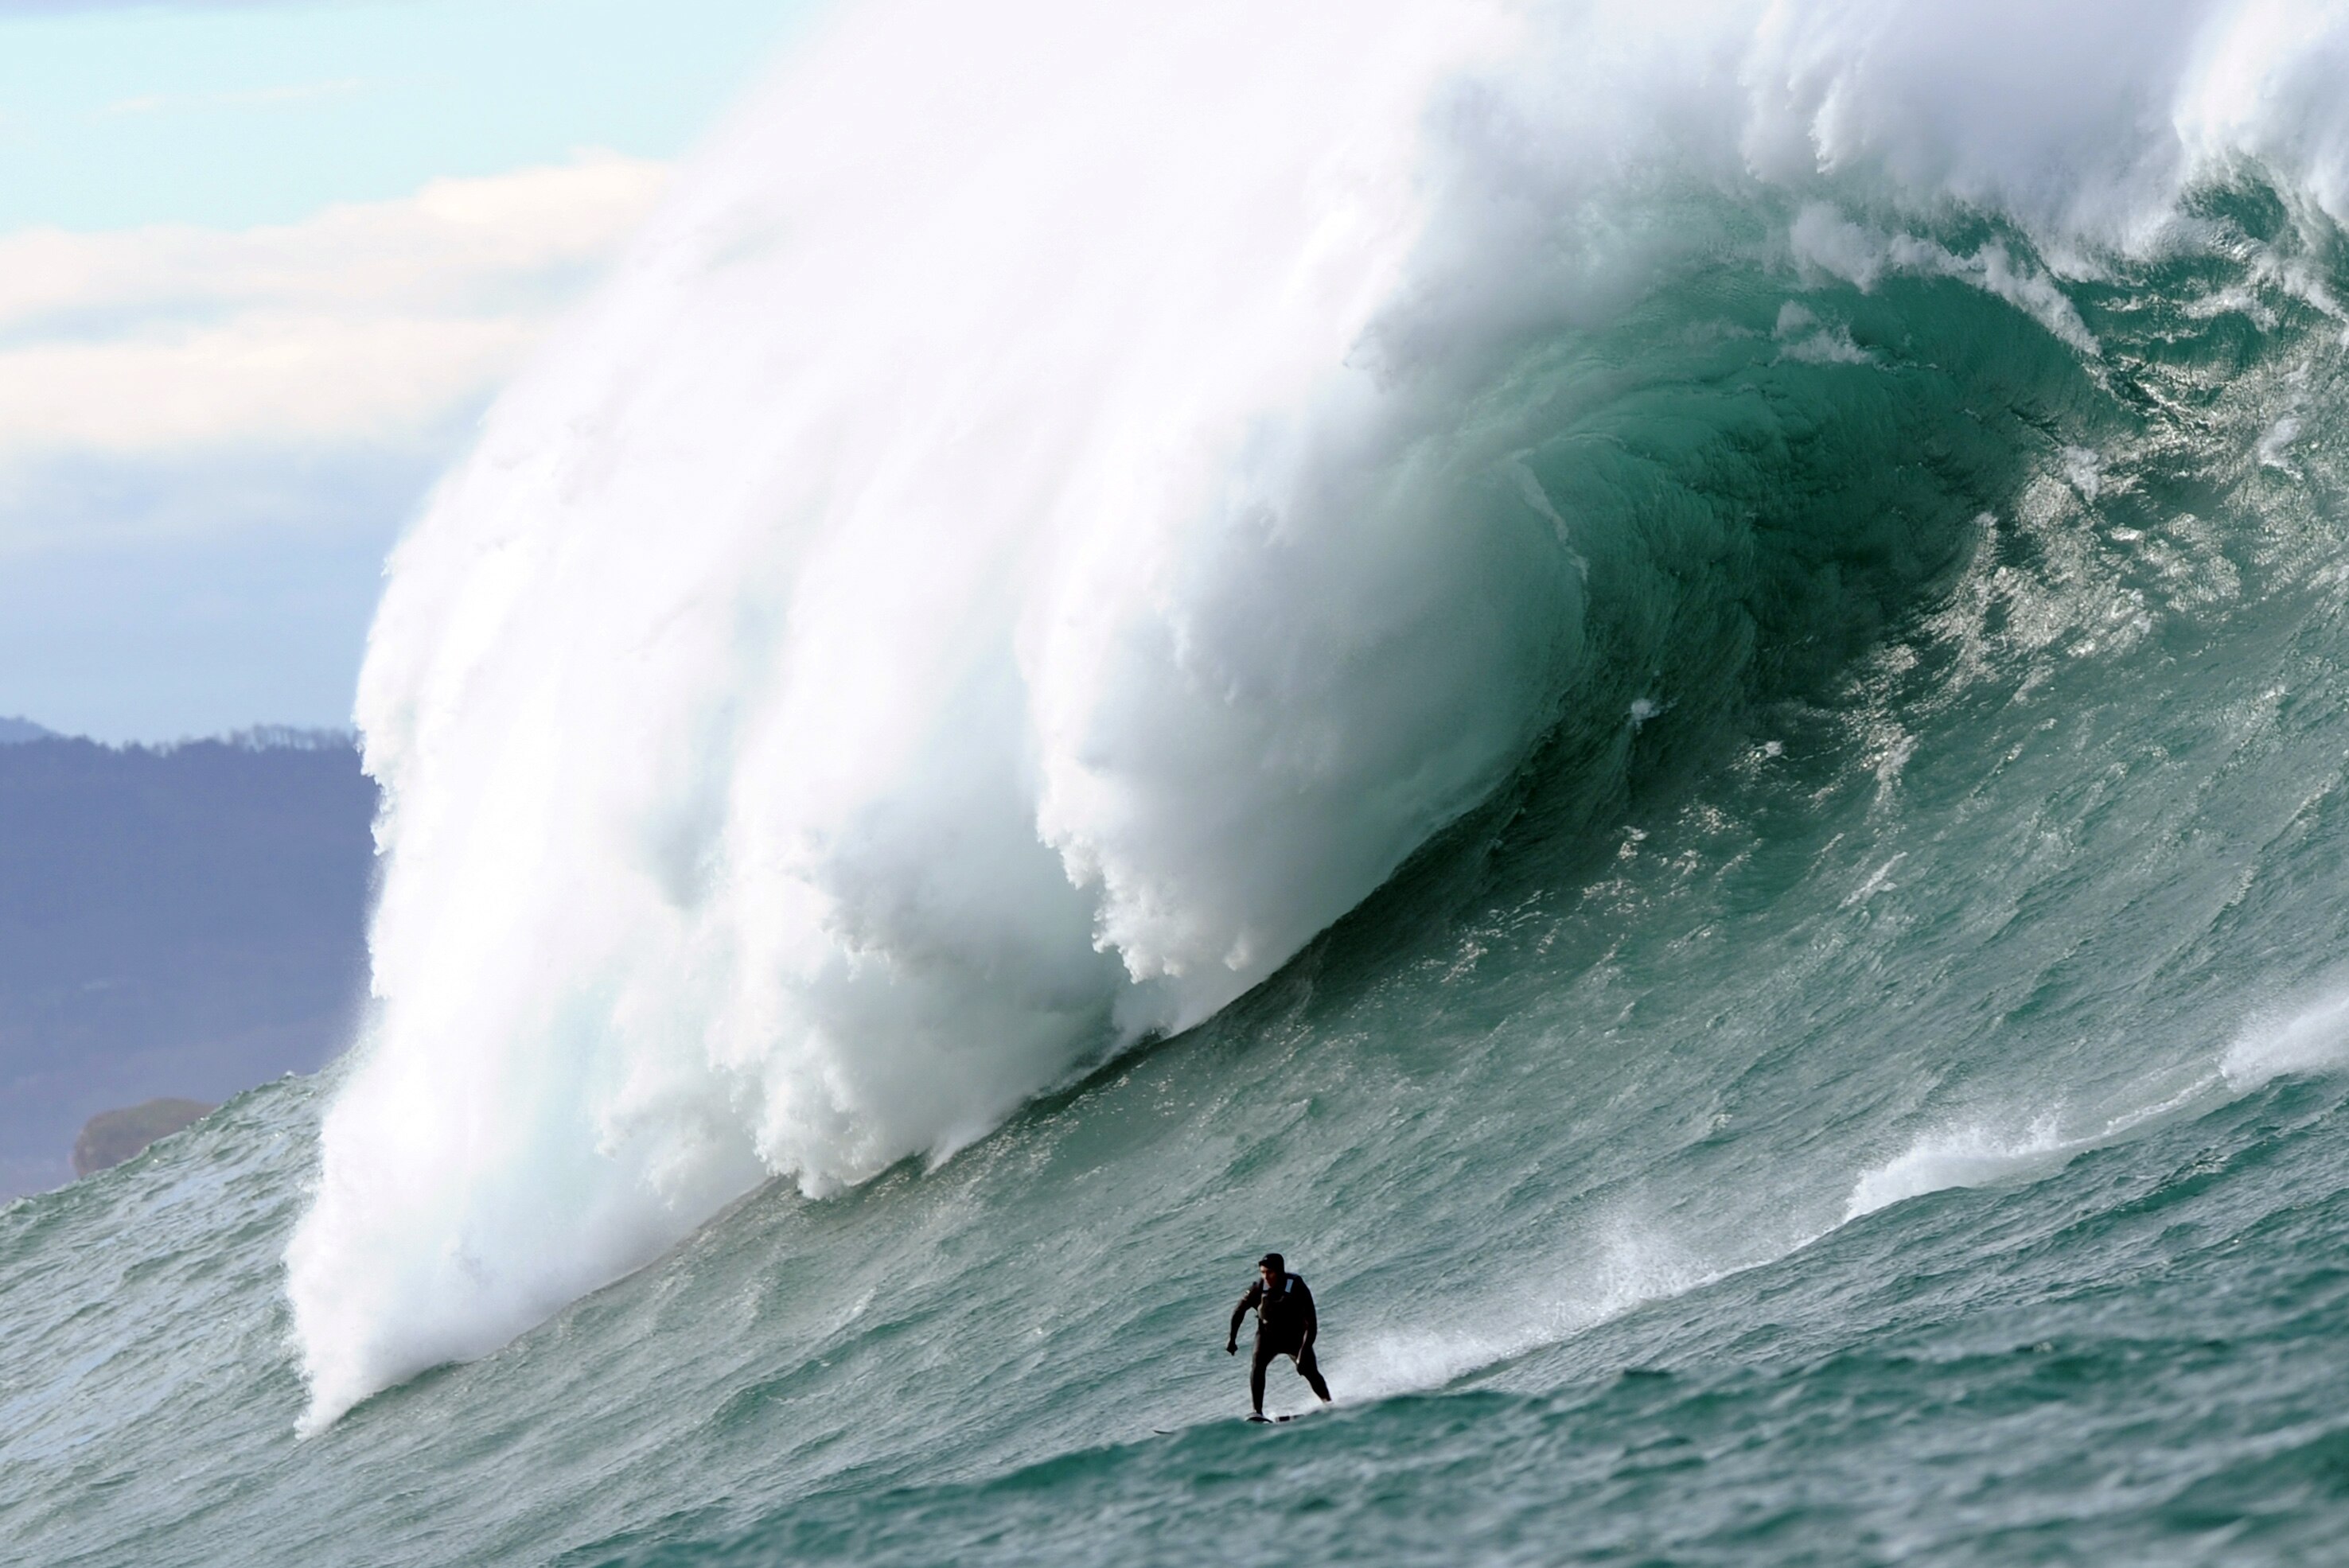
{"x": 1861, "y": 1086}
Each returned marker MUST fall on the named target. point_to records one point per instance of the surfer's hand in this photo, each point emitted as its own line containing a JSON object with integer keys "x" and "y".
{"x": 1231, "y": 1347}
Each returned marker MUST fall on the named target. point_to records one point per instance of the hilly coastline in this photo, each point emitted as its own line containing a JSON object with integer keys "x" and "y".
{"x": 178, "y": 922}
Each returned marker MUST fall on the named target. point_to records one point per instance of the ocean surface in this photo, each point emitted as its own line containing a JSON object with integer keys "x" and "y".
{"x": 1679, "y": 717}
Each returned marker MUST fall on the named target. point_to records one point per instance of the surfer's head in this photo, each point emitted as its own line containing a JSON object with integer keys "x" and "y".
{"x": 1272, "y": 1268}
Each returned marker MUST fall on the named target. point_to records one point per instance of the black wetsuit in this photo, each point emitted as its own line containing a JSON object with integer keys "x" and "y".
{"x": 1285, "y": 1326}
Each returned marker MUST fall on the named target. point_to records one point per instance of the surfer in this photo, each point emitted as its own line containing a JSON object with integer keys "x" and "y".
{"x": 1285, "y": 1326}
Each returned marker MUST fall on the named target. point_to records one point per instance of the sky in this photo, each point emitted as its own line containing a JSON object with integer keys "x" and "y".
{"x": 263, "y": 263}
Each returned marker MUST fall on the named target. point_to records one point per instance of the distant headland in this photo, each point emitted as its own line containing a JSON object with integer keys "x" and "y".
{"x": 111, "y": 1136}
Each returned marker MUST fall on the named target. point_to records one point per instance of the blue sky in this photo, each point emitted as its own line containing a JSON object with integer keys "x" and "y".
{"x": 261, "y": 266}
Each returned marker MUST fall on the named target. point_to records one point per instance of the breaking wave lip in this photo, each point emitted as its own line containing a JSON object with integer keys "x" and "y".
{"x": 996, "y": 590}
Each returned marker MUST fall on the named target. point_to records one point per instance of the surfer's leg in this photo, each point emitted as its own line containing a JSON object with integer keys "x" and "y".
{"x": 1257, "y": 1364}
{"x": 1313, "y": 1370}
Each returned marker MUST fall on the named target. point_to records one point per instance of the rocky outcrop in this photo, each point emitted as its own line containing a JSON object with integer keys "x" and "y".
{"x": 111, "y": 1136}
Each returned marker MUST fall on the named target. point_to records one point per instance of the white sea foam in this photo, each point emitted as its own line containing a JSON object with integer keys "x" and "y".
{"x": 1629, "y": 1268}
{"x": 1965, "y": 1156}
{"x": 2277, "y": 442}
{"x": 2313, "y": 1039}
{"x": 992, "y": 577}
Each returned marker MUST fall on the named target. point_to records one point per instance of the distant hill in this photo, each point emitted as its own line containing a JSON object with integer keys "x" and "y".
{"x": 13, "y": 730}
{"x": 178, "y": 922}
{"x": 111, "y": 1136}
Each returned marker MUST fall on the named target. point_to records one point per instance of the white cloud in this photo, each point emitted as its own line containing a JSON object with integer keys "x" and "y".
{"x": 365, "y": 324}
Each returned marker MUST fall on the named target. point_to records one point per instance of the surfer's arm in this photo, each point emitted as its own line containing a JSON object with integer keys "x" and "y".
{"x": 1232, "y": 1340}
{"x": 1312, "y": 1318}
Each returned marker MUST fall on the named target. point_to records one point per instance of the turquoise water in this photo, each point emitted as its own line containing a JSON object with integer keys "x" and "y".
{"x": 1864, "y": 1090}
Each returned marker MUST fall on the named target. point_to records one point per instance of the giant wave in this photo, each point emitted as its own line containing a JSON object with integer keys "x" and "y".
{"x": 1063, "y": 504}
